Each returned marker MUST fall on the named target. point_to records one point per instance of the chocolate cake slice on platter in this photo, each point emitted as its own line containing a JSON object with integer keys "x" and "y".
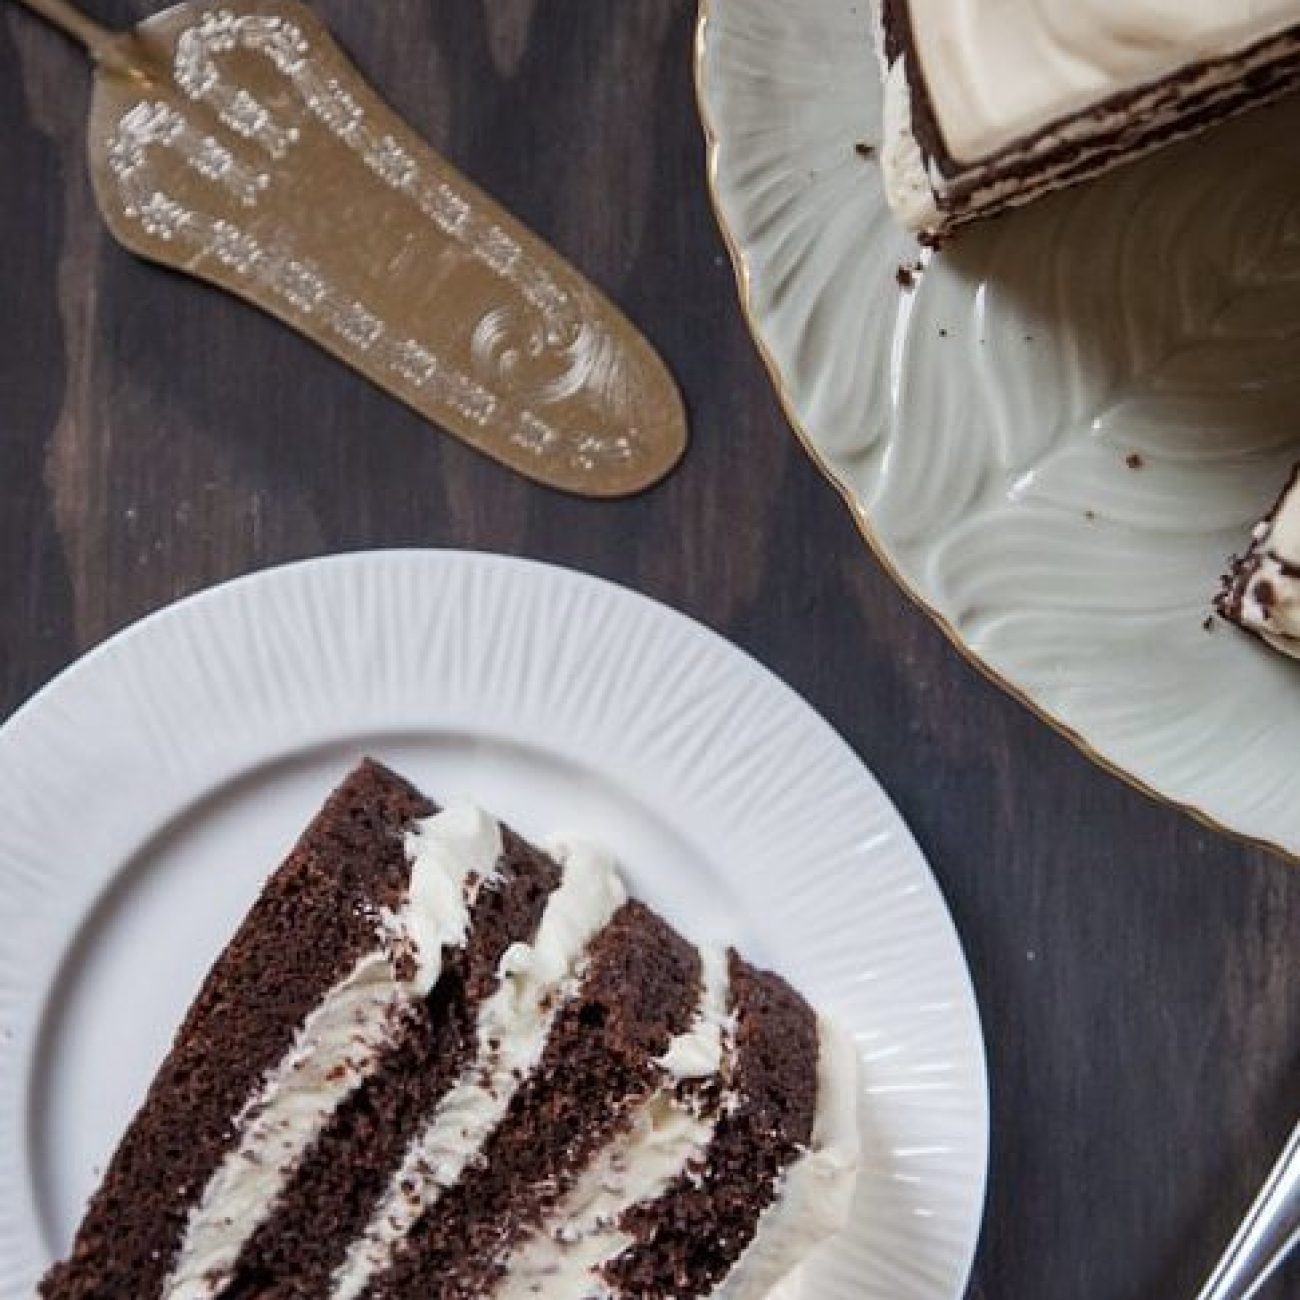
{"x": 990, "y": 103}
{"x": 1261, "y": 593}
{"x": 437, "y": 1061}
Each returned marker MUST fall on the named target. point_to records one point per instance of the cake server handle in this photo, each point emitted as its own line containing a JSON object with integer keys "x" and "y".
{"x": 117, "y": 51}
{"x": 1269, "y": 1231}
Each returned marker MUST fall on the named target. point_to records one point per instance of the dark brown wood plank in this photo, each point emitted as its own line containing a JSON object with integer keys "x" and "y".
{"x": 1138, "y": 974}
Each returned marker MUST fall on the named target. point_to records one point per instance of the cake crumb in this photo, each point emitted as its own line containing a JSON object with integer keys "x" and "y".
{"x": 1134, "y": 460}
{"x": 943, "y": 333}
{"x": 1090, "y": 515}
{"x": 908, "y": 274}
{"x": 864, "y": 150}
{"x": 1208, "y": 624}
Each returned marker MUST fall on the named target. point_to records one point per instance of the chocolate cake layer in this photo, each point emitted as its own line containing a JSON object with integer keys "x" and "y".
{"x": 689, "y": 1238}
{"x": 640, "y": 990}
{"x": 313, "y": 920}
{"x": 331, "y": 1197}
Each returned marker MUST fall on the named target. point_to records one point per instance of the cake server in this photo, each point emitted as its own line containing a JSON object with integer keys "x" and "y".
{"x": 1269, "y": 1232}
{"x": 235, "y": 141}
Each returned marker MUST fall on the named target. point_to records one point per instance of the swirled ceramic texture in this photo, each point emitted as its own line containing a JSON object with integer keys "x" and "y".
{"x": 149, "y": 789}
{"x": 1055, "y": 431}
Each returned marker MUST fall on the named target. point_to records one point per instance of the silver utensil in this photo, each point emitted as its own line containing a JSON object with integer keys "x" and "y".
{"x": 1266, "y": 1236}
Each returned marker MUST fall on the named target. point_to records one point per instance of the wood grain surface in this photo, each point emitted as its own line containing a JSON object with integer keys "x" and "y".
{"x": 1139, "y": 976}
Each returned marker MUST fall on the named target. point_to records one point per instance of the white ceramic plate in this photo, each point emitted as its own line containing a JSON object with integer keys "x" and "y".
{"x": 982, "y": 425}
{"x": 152, "y": 786}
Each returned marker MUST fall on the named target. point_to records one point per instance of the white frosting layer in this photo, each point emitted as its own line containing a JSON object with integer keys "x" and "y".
{"x": 452, "y": 855}
{"x": 907, "y": 181}
{"x": 666, "y": 1136}
{"x": 512, "y": 1029}
{"x": 1271, "y": 601}
{"x": 817, "y": 1190}
{"x": 998, "y": 70}
{"x": 339, "y": 1044}
{"x": 698, "y": 1053}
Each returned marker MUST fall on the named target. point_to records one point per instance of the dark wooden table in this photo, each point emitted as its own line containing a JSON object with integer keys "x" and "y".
{"x": 1139, "y": 976}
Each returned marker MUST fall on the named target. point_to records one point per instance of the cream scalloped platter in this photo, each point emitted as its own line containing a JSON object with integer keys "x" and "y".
{"x": 1056, "y": 430}
{"x": 151, "y": 788}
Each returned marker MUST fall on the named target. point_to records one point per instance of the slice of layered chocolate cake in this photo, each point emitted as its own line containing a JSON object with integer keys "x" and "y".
{"x": 990, "y": 103}
{"x": 437, "y": 1063}
{"x": 1262, "y": 591}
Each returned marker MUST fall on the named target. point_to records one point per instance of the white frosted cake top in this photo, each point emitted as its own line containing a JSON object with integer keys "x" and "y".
{"x": 999, "y": 70}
